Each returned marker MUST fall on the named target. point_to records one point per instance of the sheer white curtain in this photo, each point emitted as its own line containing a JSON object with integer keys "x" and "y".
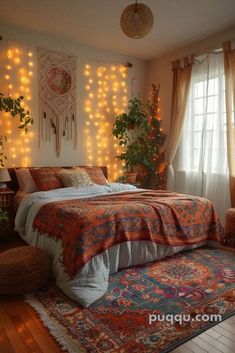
{"x": 201, "y": 162}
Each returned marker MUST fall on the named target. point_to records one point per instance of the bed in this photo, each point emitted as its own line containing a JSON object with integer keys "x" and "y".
{"x": 96, "y": 230}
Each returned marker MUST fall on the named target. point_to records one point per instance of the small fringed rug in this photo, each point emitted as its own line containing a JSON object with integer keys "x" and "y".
{"x": 129, "y": 317}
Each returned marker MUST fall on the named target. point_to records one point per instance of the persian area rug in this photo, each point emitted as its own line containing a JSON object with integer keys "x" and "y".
{"x": 192, "y": 283}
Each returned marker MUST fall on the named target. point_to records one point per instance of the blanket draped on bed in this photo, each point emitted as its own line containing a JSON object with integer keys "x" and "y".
{"x": 89, "y": 226}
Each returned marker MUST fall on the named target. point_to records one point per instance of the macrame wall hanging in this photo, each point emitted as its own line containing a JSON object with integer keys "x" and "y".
{"x": 58, "y": 97}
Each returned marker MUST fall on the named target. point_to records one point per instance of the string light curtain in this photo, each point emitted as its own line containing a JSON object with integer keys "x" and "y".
{"x": 18, "y": 70}
{"x": 105, "y": 98}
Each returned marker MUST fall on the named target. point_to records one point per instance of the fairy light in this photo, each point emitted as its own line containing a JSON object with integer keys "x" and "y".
{"x": 9, "y": 54}
{"x": 17, "y": 60}
{"x": 105, "y": 98}
{"x": 19, "y": 83}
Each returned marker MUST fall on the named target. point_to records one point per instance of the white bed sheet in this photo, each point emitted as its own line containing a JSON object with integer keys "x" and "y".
{"x": 91, "y": 282}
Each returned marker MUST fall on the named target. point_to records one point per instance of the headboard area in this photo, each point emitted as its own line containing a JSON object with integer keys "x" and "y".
{"x": 13, "y": 184}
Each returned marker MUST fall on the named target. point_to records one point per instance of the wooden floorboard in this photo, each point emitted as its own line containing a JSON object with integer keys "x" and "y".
{"x": 5, "y": 345}
{"x": 21, "y": 331}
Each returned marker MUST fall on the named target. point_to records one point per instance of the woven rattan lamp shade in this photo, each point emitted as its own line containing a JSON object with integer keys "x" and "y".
{"x": 136, "y": 20}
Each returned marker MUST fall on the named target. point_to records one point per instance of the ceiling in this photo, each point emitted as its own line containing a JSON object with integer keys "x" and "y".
{"x": 97, "y": 22}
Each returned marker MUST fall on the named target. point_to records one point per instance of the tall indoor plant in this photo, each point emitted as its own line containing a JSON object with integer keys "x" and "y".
{"x": 131, "y": 129}
{"x": 139, "y": 132}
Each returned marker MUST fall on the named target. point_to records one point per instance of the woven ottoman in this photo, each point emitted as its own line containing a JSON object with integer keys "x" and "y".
{"x": 230, "y": 227}
{"x": 23, "y": 270}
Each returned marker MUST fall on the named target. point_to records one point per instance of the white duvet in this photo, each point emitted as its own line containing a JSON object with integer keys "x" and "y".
{"x": 91, "y": 282}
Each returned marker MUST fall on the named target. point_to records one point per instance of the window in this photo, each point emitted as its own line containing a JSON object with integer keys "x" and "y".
{"x": 201, "y": 166}
{"x": 204, "y": 142}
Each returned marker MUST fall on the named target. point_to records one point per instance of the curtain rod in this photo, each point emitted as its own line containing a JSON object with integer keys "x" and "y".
{"x": 208, "y": 50}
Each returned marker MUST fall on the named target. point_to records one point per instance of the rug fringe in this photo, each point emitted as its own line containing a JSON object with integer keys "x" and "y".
{"x": 60, "y": 334}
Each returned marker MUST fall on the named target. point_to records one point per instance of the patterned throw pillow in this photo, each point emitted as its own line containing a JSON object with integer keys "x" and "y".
{"x": 96, "y": 174}
{"x": 46, "y": 178}
{"x": 25, "y": 180}
{"x": 75, "y": 178}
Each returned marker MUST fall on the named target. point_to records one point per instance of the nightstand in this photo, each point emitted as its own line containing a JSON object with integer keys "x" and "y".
{"x": 6, "y": 204}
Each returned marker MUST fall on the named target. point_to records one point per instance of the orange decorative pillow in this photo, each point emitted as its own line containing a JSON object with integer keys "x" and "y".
{"x": 96, "y": 175}
{"x": 46, "y": 178}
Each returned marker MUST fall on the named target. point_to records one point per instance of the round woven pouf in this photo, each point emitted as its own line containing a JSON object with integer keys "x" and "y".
{"x": 230, "y": 227}
{"x": 23, "y": 270}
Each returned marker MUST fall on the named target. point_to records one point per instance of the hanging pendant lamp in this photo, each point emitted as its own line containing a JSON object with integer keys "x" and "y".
{"x": 136, "y": 20}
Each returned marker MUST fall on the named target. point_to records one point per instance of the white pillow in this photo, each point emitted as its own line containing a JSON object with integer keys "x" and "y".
{"x": 116, "y": 187}
{"x": 25, "y": 180}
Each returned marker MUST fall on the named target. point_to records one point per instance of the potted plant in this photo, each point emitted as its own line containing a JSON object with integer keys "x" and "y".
{"x": 15, "y": 109}
{"x": 139, "y": 132}
{"x": 130, "y": 129}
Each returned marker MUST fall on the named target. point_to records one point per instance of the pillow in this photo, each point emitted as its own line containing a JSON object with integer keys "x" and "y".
{"x": 75, "y": 178}
{"x": 117, "y": 187}
{"x": 25, "y": 180}
{"x": 46, "y": 178}
{"x": 96, "y": 174}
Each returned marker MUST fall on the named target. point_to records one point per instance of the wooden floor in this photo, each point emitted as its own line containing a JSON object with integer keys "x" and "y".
{"x": 220, "y": 338}
{"x": 21, "y": 331}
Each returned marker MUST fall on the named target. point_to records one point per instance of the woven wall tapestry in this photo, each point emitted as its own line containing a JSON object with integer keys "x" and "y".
{"x": 58, "y": 97}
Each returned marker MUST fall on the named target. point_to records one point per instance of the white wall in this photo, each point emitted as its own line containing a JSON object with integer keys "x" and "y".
{"x": 160, "y": 69}
{"x": 45, "y": 155}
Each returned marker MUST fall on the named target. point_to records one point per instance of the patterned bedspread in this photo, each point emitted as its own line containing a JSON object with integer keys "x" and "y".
{"x": 89, "y": 226}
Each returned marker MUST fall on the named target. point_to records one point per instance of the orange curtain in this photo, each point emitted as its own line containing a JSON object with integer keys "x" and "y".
{"x": 229, "y": 69}
{"x": 181, "y": 85}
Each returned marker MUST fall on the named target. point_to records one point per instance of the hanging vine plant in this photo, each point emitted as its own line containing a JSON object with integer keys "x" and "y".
{"x": 15, "y": 109}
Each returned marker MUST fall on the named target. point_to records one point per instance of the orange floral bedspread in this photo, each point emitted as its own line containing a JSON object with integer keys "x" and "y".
{"x": 89, "y": 226}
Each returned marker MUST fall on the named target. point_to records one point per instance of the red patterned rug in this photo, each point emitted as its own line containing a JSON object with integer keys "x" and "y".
{"x": 195, "y": 283}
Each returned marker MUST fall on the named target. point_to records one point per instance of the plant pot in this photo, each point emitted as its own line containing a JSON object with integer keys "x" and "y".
{"x": 130, "y": 177}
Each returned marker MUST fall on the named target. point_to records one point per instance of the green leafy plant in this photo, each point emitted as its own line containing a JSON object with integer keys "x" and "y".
{"x": 15, "y": 109}
{"x": 3, "y": 216}
{"x": 121, "y": 179}
{"x": 139, "y": 132}
{"x": 130, "y": 129}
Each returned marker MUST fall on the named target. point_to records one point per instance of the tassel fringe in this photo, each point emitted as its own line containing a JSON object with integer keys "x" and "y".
{"x": 65, "y": 340}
